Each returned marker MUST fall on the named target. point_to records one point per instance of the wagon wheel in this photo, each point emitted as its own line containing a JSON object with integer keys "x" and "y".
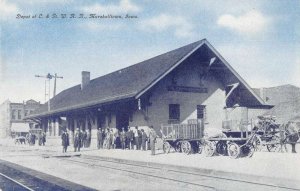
{"x": 233, "y": 150}
{"x": 209, "y": 148}
{"x": 257, "y": 143}
{"x": 221, "y": 148}
{"x": 166, "y": 147}
{"x": 200, "y": 147}
{"x": 251, "y": 151}
{"x": 178, "y": 147}
{"x": 186, "y": 147}
{"x": 248, "y": 150}
{"x": 273, "y": 147}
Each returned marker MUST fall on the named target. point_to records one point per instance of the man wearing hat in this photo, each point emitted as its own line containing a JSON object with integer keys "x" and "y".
{"x": 99, "y": 138}
{"x": 65, "y": 140}
{"x": 144, "y": 139}
{"x": 123, "y": 138}
{"x": 152, "y": 136}
{"x": 77, "y": 140}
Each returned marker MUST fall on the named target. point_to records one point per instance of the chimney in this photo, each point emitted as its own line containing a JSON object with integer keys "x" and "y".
{"x": 85, "y": 79}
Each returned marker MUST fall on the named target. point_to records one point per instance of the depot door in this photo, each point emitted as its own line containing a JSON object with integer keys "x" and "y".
{"x": 122, "y": 120}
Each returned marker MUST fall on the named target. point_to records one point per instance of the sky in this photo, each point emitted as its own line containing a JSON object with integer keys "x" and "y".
{"x": 260, "y": 39}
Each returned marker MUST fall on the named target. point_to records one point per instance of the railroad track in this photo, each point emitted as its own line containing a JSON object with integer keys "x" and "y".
{"x": 8, "y": 183}
{"x": 194, "y": 179}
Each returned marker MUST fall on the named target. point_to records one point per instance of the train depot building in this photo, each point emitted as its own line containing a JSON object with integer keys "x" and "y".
{"x": 191, "y": 82}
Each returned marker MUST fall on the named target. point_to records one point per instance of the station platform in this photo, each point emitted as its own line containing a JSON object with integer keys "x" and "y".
{"x": 263, "y": 165}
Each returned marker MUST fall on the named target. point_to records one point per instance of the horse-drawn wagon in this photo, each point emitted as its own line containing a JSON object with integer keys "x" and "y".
{"x": 192, "y": 137}
{"x": 269, "y": 134}
{"x": 275, "y": 136}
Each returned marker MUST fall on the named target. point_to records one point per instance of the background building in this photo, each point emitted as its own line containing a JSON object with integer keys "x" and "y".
{"x": 12, "y": 117}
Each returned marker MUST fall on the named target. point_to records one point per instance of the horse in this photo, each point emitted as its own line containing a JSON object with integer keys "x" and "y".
{"x": 289, "y": 134}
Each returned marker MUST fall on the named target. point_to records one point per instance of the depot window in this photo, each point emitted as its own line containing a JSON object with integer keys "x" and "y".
{"x": 201, "y": 112}
{"x": 174, "y": 112}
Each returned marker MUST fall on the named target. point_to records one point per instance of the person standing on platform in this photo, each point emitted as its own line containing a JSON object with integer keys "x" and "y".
{"x": 77, "y": 140}
{"x": 152, "y": 136}
{"x": 43, "y": 138}
{"x": 123, "y": 138}
{"x": 33, "y": 139}
{"x": 27, "y": 137}
{"x": 136, "y": 137}
{"x": 130, "y": 139}
{"x": 112, "y": 139}
{"x": 40, "y": 138}
{"x": 140, "y": 139}
{"x": 88, "y": 139}
{"x": 144, "y": 139}
{"x": 65, "y": 141}
{"x": 107, "y": 139}
{"x": 99, "y": 138}
{"x": 84, "y": 139}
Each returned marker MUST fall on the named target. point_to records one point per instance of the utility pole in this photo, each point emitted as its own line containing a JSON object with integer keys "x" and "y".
{"x": 49, "y": 77}
{"x": 54, "y": 89}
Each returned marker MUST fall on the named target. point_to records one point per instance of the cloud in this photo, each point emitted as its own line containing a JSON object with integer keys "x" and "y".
{"x": 250, "y": 23}
{"x": 125, "y": 6}
{"x": 7, "y": 10}
{"x": 260, "y": 65}
{"x": 47, "y": 1}
{"x": 182, "y": 28}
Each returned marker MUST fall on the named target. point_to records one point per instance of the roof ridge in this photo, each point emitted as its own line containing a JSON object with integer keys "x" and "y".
{"x": 141, "y": 62}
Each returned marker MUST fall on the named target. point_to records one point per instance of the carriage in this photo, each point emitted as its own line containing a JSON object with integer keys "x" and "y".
{"x": 275, "y": 136}
{"x": 191, "y": 137}
{"x": 269, "y": 134}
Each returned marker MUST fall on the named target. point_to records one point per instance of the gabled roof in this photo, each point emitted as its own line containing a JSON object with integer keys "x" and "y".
{"x": 130, "y": 82}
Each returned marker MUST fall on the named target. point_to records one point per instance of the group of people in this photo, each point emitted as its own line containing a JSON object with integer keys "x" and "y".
{"x": 109, "y": 138}
{"x": 132, "y": 139}
{"x": 31, "y": 138}
{"x": 81, "y": 139}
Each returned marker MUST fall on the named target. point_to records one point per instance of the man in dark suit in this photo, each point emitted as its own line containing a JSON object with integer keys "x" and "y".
{"x": 144, "y": 139}
{"x": 84, "y": 139}
{"x": 65, "y": 141}
{"x": 43, "y": 138}
{"x": 123, "y": 138}
{"x": 99, "y": 138}
{"x": 77, "y": 140}
{"x": 130, "y": 139}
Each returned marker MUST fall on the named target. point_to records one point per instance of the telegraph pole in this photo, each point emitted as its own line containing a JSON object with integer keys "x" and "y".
{"x": 54, "y": 89}
{"x": 49, "y": 77}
